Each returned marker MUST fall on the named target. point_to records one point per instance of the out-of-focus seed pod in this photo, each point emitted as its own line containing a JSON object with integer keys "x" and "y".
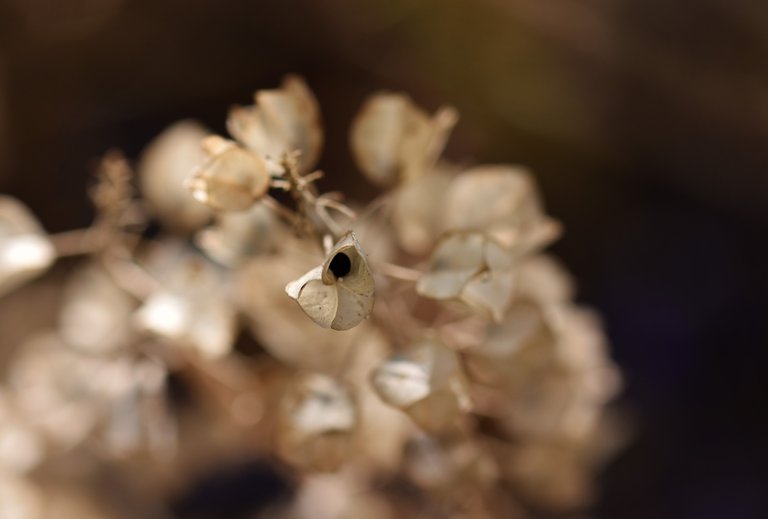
{"x": 25, "y": 250}
{"x": 318, "y": 422}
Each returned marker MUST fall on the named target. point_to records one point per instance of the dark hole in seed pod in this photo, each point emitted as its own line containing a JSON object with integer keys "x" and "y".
{"x": 340, "y": 265}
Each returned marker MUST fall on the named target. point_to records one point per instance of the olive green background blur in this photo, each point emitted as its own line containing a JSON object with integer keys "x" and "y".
{"x": 645, "y": 122}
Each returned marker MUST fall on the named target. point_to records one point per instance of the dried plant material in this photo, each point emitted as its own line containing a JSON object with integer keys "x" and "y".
{"x": 502, "y": 202}
{"x": 281, "y": 121}
{"x": 25, "y": 251}
{"x": 394, "y": 141}
{"x": 235, "y": 237}
{"x": 339, "y": 293}
{"x": 164, "y": 166}
{"x": 319, "y": 418}
{"x": 232, "y": 178}
{"x": 426, "y": 382}
{"x": 470, "y": 316}
{"x": 96, "y": 314}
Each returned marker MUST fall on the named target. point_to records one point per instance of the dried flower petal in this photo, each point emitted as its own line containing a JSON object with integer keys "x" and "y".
{"x": 394, "y": 141}
{"x": 281, "y": 121}
{"x": 25, "y": 251}
{"x": 338, "y": 294}
{"x": 231, "y": 180}
{"x": 164, "y": 166}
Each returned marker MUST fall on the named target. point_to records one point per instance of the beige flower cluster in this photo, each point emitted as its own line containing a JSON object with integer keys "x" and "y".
{"x": 416, "y": 356}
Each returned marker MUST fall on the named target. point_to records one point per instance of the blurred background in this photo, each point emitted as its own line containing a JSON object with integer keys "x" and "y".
{"x": 645, "y": 122}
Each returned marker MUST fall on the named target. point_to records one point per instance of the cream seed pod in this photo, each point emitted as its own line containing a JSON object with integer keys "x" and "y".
{"x": 339, "y": 293}
{"x": 232, "y": 179}
{"x": 25, "y": 250}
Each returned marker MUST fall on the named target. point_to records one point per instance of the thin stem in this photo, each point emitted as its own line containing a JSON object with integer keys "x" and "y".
{"x": 397, "y": 271}
{"x": 78, "y": 242}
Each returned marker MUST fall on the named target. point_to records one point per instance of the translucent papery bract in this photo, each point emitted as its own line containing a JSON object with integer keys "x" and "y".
{"x": 163, "y": 168}
{"x": 281, "y": 121}
{"x": 340, "y": 293}
{"x": 191, "y": 308}
{"x": 235, "y": 237}
{"x": 25, "y": 250}
{"x": 95, "y": 314}
{"x": 319, "y": 418}
{"x": 426, "y": 382}
{"x": 502, "y": 202}
{"x": 394, "y": 141}
{"x": 232, "y": 179}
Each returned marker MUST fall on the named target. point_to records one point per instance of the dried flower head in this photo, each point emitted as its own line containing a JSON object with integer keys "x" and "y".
{"x": 474, "y": 378}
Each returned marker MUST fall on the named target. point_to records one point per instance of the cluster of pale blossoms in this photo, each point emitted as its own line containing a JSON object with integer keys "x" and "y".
{"x": 419, "y": 356}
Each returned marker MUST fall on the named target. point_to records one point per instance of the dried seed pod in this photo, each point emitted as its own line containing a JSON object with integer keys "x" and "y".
{"x": 25, "y": 250}
{"x": 281, "y": 121}
{"x": 164, "y": 166}
{"x": 426, "y": 382}
{"x": 318, "y": 422}
{"x": 394, "y": 141}
{"x": 232, "y": 179}
{"x": 338, "y": 294}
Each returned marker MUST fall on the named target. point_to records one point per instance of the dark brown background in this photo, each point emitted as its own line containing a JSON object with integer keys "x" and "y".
{"x": 646, "y": 122}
